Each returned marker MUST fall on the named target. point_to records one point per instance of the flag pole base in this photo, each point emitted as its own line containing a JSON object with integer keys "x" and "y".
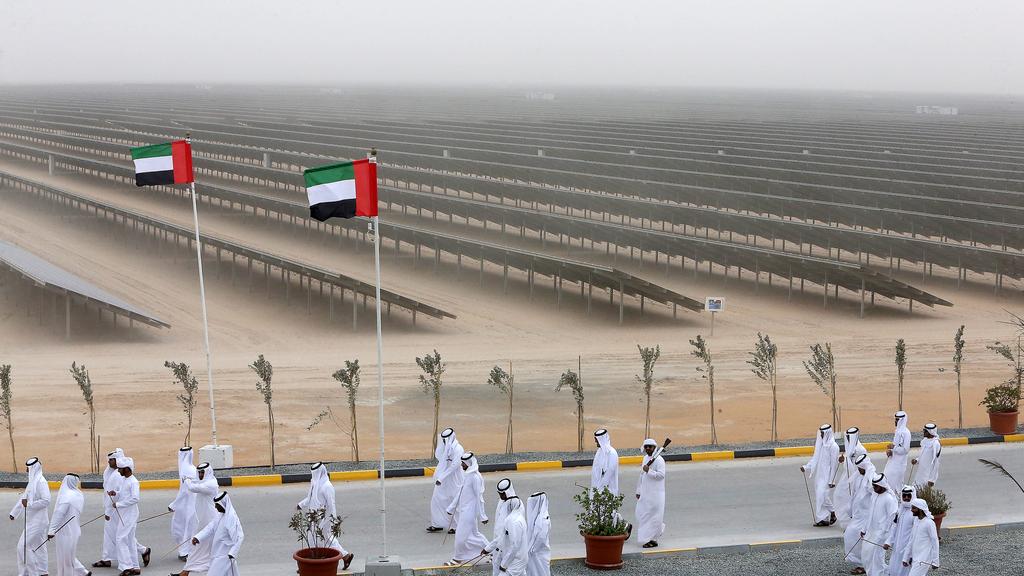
{"x": 383, "y": 566}
{"x": 219, "y": 456}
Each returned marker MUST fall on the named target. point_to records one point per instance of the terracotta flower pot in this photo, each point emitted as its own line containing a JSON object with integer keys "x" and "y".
{"x": 938, "y": 523}
{"x": 325, "y": 566}
{"x": 604, "y": 552}
{"x": 1003, "y": 422}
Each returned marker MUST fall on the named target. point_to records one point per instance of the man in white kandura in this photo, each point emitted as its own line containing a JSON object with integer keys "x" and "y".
{"x": 860, "y": 509}
{"x": 605, "y": 471}
{"x": 538, "y": 525}
{"x": 205, "y": 489}
{"x": 447, "y": 481}
{"x": 923, "y": 553}
{"x": 880, "y": 523}
{"x": 184, "y": 522}
{"x": 823, "y": 468}
{"x": 66, "y": 526}
{"x": 510, "y": 555}
{"x": 469, "y": 505}
{"x": 898, "y": 450}
{"x": 321, "y": 495}
{"x": 126, "y": 509}
{"x": 111, "y": 483}
{"x": 34, "y": 503}
{"x": 650, "y": 496}
{"x": 899, "y": 536}
{"x": 225, "y": 536}
{"x": 505, "y": 491}
{"x": 927, "y": 461}
{"x": 843, "y": 496}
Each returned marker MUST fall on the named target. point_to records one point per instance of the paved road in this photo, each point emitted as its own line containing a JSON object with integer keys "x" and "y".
{"x": 709, "y": 503}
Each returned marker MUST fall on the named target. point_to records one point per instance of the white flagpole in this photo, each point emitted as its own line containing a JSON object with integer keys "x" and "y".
{"x": 380, "y": 377}
{"x": 202, "y": 298}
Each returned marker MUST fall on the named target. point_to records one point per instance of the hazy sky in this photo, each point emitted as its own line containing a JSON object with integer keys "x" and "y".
{"x": 916, "y": 45}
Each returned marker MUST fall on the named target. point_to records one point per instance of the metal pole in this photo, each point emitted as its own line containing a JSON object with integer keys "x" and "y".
{"x": 380, "y": 381}
{"x": 206, "y": 325}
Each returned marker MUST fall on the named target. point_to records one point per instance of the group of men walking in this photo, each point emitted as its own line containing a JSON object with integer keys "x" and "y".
{"x": 203, "y": 521}
{"x": 520, "y": 539}
{"x": 878, "y": 520}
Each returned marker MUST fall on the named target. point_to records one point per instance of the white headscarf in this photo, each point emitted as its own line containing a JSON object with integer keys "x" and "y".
{"x": 603, "y": 455}
{"x": 229, "y": 519}
{"x": 117, "y": 453}
{"x": 186, "y": 469}
{"x": 901, "y": 420}
{"x": 880, "y": 480}
{"x": 536, "y": 507}
{"x": 125, "y": 462}
{"x": 320, "y": 478}
{"x": 35, "y": 470}
{"x": 828, "y": 439}
{"x": 471, "y": 463}
{"x": 913, "y": 494}
{"x": 446, "y": 442}
{"x": 208, "y": 474}
{"x": 71, "y": 493}
{"x": 920, "y": 504}
{"x": 852, "y": 439}
{"x": 505, "y": 485}
{"x": 514, "y": 506}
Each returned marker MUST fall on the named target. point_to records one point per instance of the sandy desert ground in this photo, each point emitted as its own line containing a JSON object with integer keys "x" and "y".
{"x": 135, "y": 395}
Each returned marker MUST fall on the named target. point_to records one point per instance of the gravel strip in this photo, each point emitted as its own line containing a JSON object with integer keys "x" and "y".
{"x": 504, "y": 458}
{"x": 995, "y": 553}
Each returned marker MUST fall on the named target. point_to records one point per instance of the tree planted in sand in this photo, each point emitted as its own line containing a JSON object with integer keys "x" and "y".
{"x": 701, "y": 350}
{"x": 649, "y": 357}
{"x": 901, "y": 366}
{"x": 5, "y": 410}
{"x": 349, "y": 379}
{"x": 81, "y": 376}
{"x": 190, "y": 386}
{"x": 822, "y": 370}
{"x": 505, "y": 383}
{"x": 572, "y": 380}
{"x": 764, "y": 365}
{"x": 265, "y": 372}
{"x": 433, "y": 368}
{"x": 958, "y": 359}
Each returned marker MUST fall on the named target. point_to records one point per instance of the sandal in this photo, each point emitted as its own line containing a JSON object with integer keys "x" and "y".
{"x": 145, "y": 557}
{"x": 101, "y": 564}
{"x": 452, "y": 563}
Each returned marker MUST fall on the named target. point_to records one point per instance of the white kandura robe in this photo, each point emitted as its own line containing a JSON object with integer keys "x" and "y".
{"x": 538, "y": 525}
{"x": 184, "y": 522}
{"x": 514, "y": 543}
{"x": 449, "y": 473}
{"x": 923, "y": 552}
{"x": 469, "y": 505}
{"x": 225, "y": 536}
{"x": 498, "y": 527}
{"x": 860, "y": 510}
{"x": 205, "y": 490}
{"x": 37, "y": 493}
{"x": 899, "y": 538}
{"x": 843, "y": 495}
{"x": 928, "y": 461}
{"x": 321, "y": 495}
{"x": 822, "y": 468}
{"x": 896, "y": 466}
{"x": 605, "y": 470}
{"x": 111, "y": 483}
{"x": 879, "y": 524}
{"x": 650, "y": 506}
{"x": 127, "y": 516}
{"x": 67, "y": 512}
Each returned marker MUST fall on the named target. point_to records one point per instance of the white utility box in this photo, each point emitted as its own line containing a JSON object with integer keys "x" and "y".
{"x": 219, "y": 456}
{"x": 383, "y": 566}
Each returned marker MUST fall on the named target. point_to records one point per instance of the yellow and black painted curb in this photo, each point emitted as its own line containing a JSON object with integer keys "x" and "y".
{"x": 348, "y": 476}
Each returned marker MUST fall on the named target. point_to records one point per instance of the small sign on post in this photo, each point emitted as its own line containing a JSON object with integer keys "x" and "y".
{"x": 714, "y": 304}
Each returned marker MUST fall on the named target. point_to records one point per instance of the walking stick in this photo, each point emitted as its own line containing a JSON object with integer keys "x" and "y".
{"x": 809, "y": 501}
{"x": 852, "y": 548}
{"x": 176, "y": 547}
{"x": 912, "y": 468}
{"x": 452, "y": 521}
{"x": 24, "y": 533}
{"x": 114, "y": 506}
{"x": 155, "y": 516}
{"x": 93, "y": 520}
{"x": 54, "y": 532}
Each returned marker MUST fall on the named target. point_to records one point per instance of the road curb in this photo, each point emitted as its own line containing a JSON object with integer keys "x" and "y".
{"x": 532, "y": 466}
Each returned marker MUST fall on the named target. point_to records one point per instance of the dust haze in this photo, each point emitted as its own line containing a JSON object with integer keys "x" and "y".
{"x": 920, "y": 45}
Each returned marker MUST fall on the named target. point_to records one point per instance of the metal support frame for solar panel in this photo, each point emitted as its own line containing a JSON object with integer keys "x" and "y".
{"x": 321, "y": 275}
{"x": 53, "y": 279}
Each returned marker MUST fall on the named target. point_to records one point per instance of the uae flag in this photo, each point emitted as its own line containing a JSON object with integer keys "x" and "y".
{"x": 162, "y": 164}
{"x": 342, "y": 190}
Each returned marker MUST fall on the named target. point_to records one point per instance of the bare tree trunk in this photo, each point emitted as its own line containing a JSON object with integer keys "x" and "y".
{"x": 960, "y": 403}
{"x": 647, "y": 424}
{"x": 14, "y": 458}
{"x": 835, "y": 415}
{"x": 270, "y": 418}
{"x": 775, "y": 412}
{"x": 92, "y": 440}
{"x": 355, "y": 431}
{"x": 579, "y": 427}
{"x": 437, "y": 413}
{"x": 714, "y": 433}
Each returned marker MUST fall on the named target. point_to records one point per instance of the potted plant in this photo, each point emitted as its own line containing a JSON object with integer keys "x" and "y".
{"x": 316, "y": 558}
{"x": 938, "y": 504}
{"x": 1003, "y": 400}
{"x": 603, "y": 530}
